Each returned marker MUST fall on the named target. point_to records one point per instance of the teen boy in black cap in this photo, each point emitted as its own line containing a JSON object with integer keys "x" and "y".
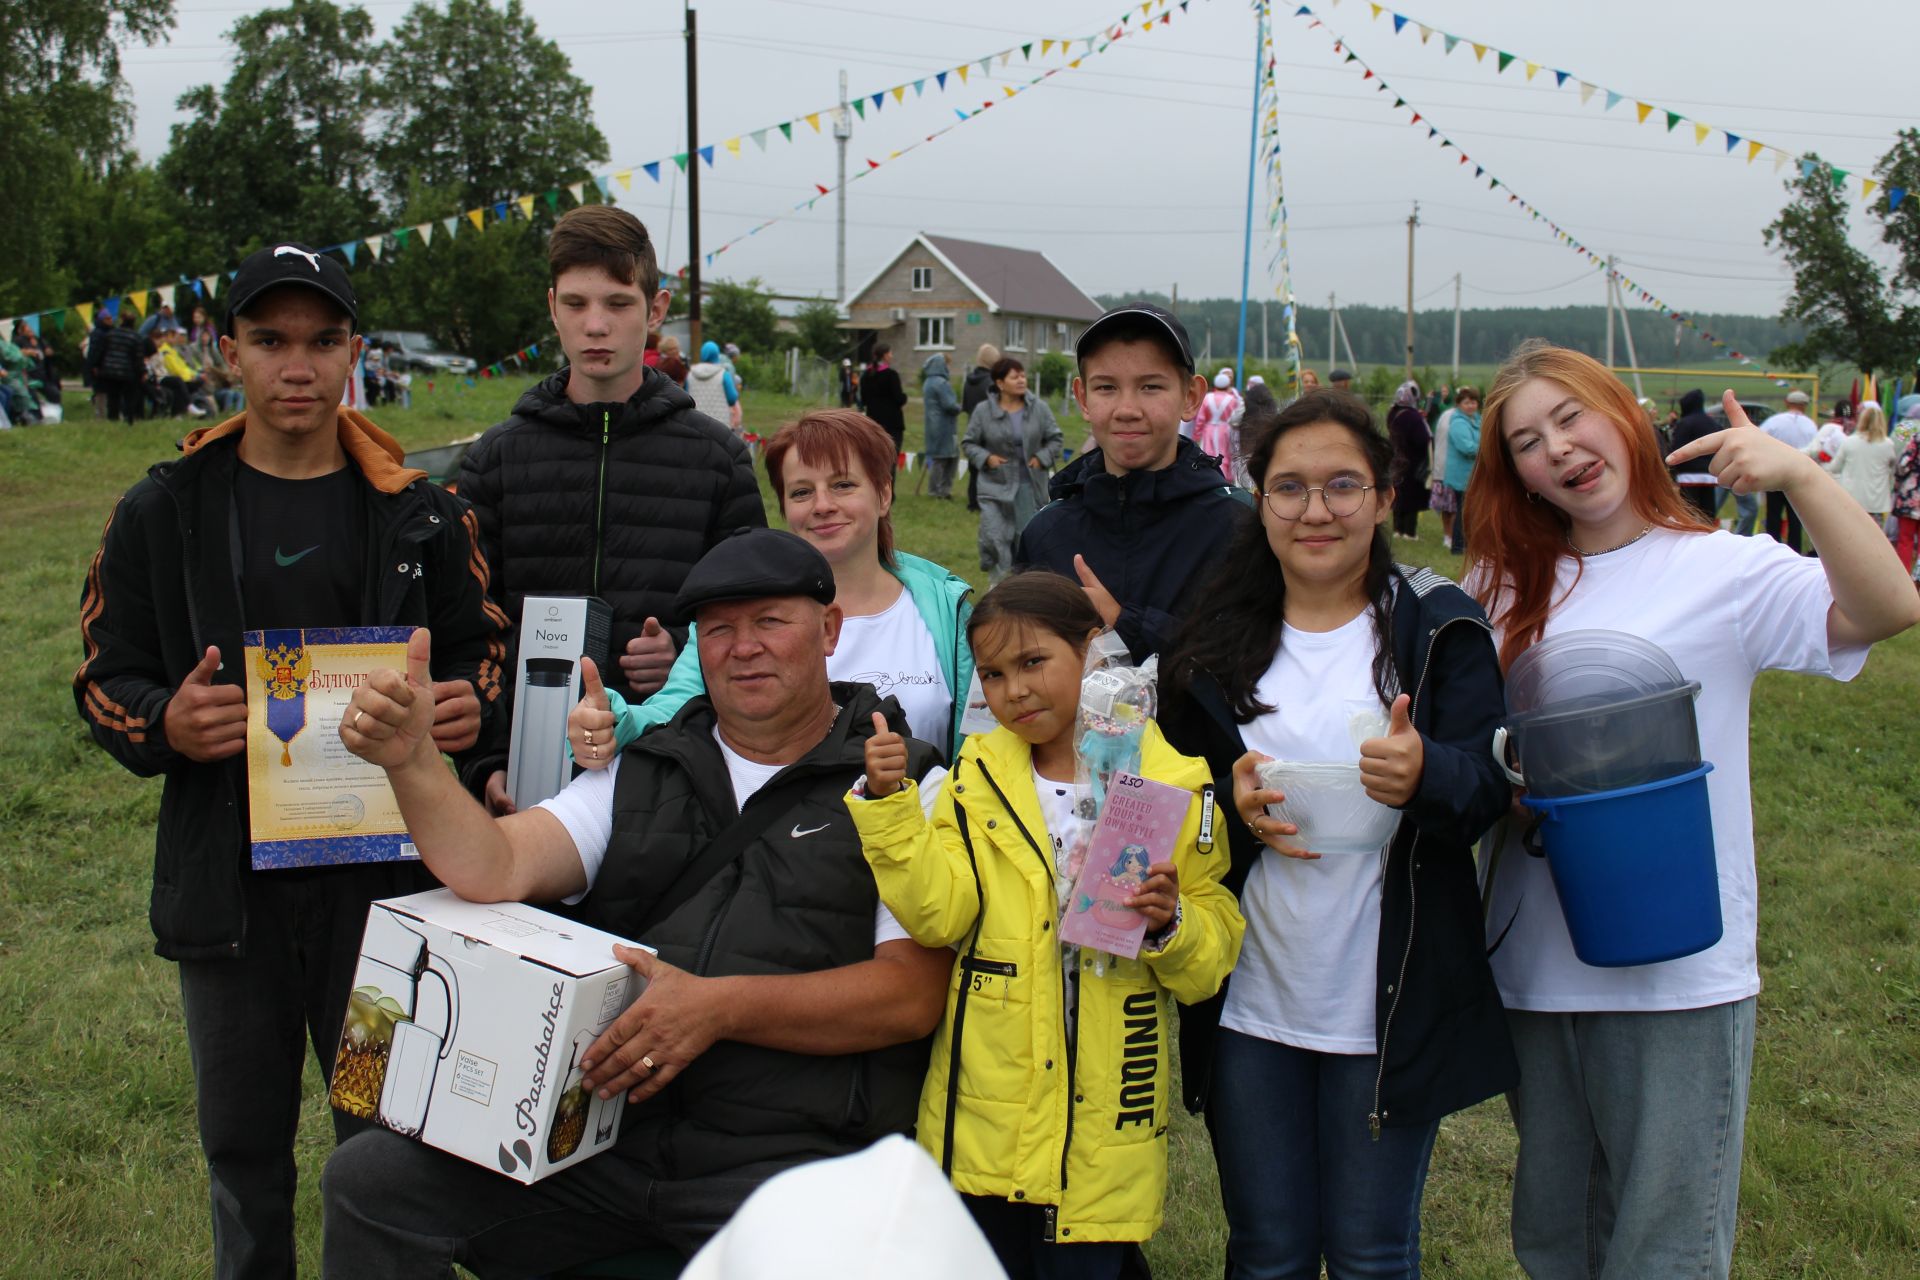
{"x": 1144, "y": 516}
{"x": 297, "y": 513}
{"x": 785, "y": 1013}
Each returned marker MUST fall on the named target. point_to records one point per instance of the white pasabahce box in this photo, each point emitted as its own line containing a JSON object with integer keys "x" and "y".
{"x": 554, "y": 632}
{"x": 466, "y": 1026}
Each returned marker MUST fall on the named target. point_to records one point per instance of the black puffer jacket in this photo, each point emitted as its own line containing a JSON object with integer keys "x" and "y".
{"x": 1441, "y": 1032}
{"x": 1150, "y": 537}
{"x": 123, "y": 354}
{"x": 614, "y": 500}
{"x": 977, "y": 389}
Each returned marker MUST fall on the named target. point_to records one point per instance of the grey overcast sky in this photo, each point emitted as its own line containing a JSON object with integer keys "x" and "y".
{"x": 1131, "y": 171}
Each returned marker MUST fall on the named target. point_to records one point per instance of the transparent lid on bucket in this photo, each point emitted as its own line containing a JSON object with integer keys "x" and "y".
{"x": 1588, "y": 667}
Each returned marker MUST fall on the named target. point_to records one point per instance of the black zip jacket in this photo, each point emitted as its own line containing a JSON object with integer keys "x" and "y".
{"x": 165, "y": 585}
{"x": 1151, "y": 537}
{"x": 1441, "y": 1031}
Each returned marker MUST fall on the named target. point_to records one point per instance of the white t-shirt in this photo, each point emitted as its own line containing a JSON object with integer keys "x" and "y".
{"x": 585, "y": 808}
{"x": 1307, "y": 966}
{"x": 894, "y": 652}
{"x": 1828, "y": 438}
{"x": 1724, "y": 608}
{"x": 1068, "y": 833}
{"x": 1790, "y": 427}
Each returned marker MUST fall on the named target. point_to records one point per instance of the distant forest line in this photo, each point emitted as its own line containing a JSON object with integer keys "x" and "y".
{"x": 1487, "y": 334}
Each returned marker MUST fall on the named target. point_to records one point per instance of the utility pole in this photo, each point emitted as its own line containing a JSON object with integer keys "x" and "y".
{"x": 1609, "y": 311}
{"x": 1333, "y": 328}
{"x": 1264, "y": 356}
{"x": 842, "y": 131}
{"x": 1413, "y": 220}
{"x": 1626, "y": 329}
{"x": 693, "y": 186}
{"x": 1456, "y": 326}
{"x": 1175, "y": 305}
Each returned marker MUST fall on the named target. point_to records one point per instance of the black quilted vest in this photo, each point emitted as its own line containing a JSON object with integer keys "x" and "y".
{"x": 800, "y": 899}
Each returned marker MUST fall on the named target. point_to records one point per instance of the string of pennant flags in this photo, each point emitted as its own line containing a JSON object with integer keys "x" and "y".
{"x": 1343, "y": 48}
{"x": 1154, "y": 13}
{"x": 1734, "y": 143}
{"x": 1135, "y": 19}
{"x": 1279, "y": 262}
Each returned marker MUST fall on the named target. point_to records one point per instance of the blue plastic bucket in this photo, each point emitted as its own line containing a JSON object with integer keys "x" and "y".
{"x": 1635, "y": 869}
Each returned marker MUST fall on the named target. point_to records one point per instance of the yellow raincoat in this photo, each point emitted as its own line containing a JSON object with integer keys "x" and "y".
{"x": 1081, "y": 1133}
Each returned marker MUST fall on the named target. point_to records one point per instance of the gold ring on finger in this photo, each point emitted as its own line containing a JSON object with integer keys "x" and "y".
{"x": 357, "y": 713}
{"x": 646, "y": 1062}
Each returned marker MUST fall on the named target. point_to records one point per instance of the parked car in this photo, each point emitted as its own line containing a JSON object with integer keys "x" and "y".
{"x": 1756, "y": 413}
{"x": 416, "y": 351}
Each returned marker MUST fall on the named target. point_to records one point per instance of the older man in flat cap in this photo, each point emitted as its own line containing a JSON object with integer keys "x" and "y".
{"x": 784, "y": 1019}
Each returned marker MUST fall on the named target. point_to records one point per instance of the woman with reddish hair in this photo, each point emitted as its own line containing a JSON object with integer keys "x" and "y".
{"x": 1633, "y": 1081}
{"x": 905, "y": 623}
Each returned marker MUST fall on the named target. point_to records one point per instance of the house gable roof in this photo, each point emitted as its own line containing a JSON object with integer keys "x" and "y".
{"x": 1019, "y": 281}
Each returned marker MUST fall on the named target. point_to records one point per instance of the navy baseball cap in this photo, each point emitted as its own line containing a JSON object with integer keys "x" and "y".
{"x": 290, "y": 263}
{"x": 754, "y": 564}
{"x": 1136, "y": 320}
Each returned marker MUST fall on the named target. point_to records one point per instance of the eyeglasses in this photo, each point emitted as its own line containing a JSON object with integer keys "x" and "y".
{"x": 1343, "y": 497}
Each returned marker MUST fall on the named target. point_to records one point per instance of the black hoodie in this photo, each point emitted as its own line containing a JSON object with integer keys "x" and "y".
{"x": 1149, "y": 536}
{"x": 617, "y": 500}
{"x": 1692, "y": 424}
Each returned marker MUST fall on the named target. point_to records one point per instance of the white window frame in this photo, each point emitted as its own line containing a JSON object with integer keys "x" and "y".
{"x": 1016, "y": 333}
{"x": 922, "y": 280}
{"x": 938, "y": 324}
{"x": 1040, "y": 337}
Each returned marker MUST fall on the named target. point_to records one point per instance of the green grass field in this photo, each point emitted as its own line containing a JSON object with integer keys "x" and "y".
{"x": 100, "y": 1168}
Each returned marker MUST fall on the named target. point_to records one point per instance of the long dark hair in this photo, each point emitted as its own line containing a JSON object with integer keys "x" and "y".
{"x": 1235, "y": 634}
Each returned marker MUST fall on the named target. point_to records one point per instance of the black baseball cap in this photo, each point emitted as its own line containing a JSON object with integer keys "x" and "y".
{"x": 1136, "y": 320}
{"x": 1339, "y": 375}
{"x": 290, "y": 263}
{"x": 753, "y": 564}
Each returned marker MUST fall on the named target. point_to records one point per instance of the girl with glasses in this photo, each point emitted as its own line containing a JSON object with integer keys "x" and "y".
{"x": 1362, "y": 1009}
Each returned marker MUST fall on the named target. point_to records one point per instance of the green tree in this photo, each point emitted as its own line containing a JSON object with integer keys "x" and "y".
{"x": 1899, "y": 169}
{"x": 817, "y": 331}
{"x": 63, "y": 113}
{"x": 282, "y": 149}
{"x": 480, "y": 106}
{"x": 1851, "y": 313}
{"x": 739, "y": 313}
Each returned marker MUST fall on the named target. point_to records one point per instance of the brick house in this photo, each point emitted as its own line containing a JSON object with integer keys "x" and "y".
{"x": 943, "y": 294}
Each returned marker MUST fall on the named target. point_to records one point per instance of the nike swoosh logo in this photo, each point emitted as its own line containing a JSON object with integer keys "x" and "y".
{"x": 796, "y": 833}
{"x": 283, "y": 560}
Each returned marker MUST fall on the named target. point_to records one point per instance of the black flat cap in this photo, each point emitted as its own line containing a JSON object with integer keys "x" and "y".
{"x": 753, "y": 564}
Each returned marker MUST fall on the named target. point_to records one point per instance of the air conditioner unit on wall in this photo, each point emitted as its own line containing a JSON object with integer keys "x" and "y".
{"x": 899, "y": 315}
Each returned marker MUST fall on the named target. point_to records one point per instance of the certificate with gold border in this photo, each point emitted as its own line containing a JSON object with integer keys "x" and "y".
{"x": 312, "y": 802}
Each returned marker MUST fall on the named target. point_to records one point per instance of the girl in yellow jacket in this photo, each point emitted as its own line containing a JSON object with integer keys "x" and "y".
{"x": 1048, "y": 1098}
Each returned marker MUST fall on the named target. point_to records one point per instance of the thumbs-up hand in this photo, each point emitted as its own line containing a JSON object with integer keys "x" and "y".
{"x": 886, "y": 759}
{"x": 590, "y": 723}
{"x": 390, "y": 720}
{"x": 205, "y": 721}
{"x": 648, "y": 659}
{"x": 1390, "y": 767}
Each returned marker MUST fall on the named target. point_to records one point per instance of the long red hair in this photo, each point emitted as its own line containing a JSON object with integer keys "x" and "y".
{"x": 1514, "y": 542}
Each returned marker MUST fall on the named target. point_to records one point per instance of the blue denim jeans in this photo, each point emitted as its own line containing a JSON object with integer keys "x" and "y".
{"x": 1746, "y": 510}
{"x": 1301, "y": 1176}
{"x": 1631, "y": 1127}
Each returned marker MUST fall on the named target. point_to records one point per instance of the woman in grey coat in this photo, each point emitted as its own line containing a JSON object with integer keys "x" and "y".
{"x": 942, "y": 422}
{"x": 1012, "y": 443}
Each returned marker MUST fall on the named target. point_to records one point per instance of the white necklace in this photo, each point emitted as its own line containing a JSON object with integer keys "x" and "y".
{"x": 1618, "y": 546}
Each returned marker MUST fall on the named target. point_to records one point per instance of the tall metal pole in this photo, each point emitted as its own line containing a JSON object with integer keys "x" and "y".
{"x": 1456, "y": 326}
{"x": 693, "y": 187}
{"x": 1626, "y": 328}
{"x": 1253, "y": 163}
{"x": 1333, "y": 329}
{"x": 842, "y": 131}
{"x": 1609, "y": 311}
{"x": 1413, "y": 220}
{"x": 1264, "y": 355}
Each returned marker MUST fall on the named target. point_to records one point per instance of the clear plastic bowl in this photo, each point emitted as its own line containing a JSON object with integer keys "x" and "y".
{"x": 1588, "y": 666}
{"x": 1588, "y": 745}
{"x": 1330, "y": 806}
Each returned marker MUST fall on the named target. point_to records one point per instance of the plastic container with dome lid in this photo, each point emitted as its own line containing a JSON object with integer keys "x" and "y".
{"x": 1594, "y": 711}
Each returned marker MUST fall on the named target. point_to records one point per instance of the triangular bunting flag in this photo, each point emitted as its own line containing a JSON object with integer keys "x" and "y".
{"x": 605, "y": 184}
{"x": 1504, "y": 60}
{"x": 1780, "y": 159}
{"x": 1673, "y": 118}
{"x": 499, "y": 210}
{"x": 813, "y": 120}
{"x": 451, "y": 225}
{"x": 1451, "y": 41}
{"x": 873, "y": 164}
{"x": 899, "y": 93}
{"x": 112, "y": 307}
{"x": 85, "y": 309}
{"x": 1839, "y": 178}
{"x": 786, "y": 131}
{"x": 1643, "y": 109}
{"x": 578, "y": 191}
{"x": 1894, "y": 196}
{"x": 652, "y": 168}
{"x": 920, "y": 87}
{"x": 33, "y": 324}
{"x": 1479, "y": 53}
{"x": 706, "y": 153}
{"x": 733, "y": 146}
{"x": 1559, "y": 79}
{"x": 822, "y": 190}
{"x": 625, "y": 178}
{"x": 526, "y": 205}
{"x": 1806, "y": 168}
{"x": 166, "y": 294}
{"x": 860, "y": 107}
{"x": 879, "y": 101}
{"x": 941, "y": 78}
{"x": 425, "y": 231}
{"x": 1532, "y": 67}
{"x": 1733, "y": 140}
{"x": 1866, "y": 187}
{"x": 759, "y": 137}
{"x": 207, "y": 284}
{"x": 1026, "y": 51}
{"x": 1399, "y": 23}
{"x": 553, "y": 201}
{"x": 376, "y": 245}
{"x": 962, "y": 72}
{"x": 1700, "y": 132}
{"x": 478, "y": 217}
{"x": 349, "y": 249}
{"x": 1754, "y": 149}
